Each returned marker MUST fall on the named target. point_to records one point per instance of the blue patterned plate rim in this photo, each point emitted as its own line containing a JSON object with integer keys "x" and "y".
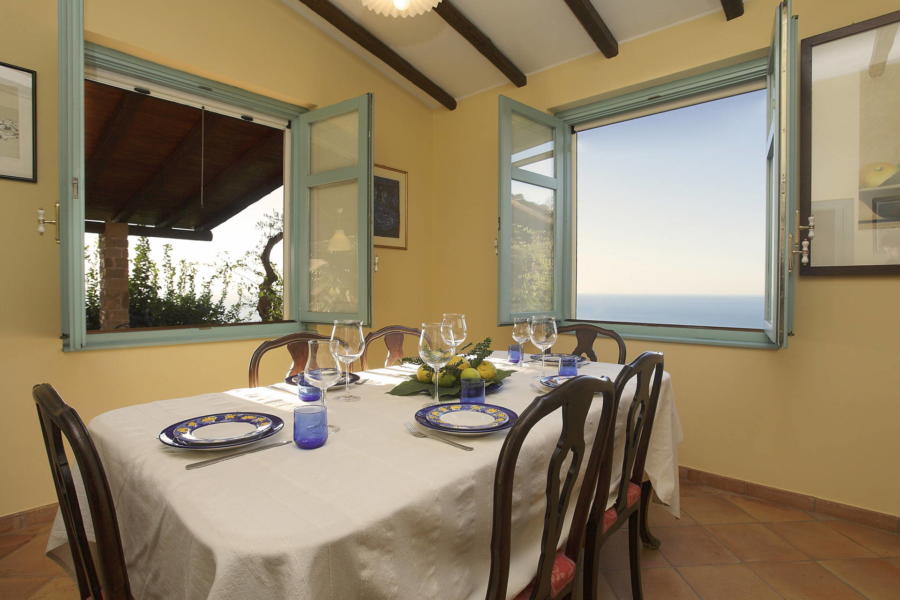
{"x": 292, "y": 380}
{"x": 554, "y": 381}
{"x": 433, "y": 417}
{"x": 179, "y": 435}
{"x": 554, "y": 358}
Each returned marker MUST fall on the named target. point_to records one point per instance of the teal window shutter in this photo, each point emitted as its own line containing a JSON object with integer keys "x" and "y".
{"x": 781, "y": 160}
{"x": 534, "y": 228}
{"x": 334, "y": 175}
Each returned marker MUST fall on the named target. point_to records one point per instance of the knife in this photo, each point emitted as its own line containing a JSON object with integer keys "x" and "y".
{"x": 212, "y": 461}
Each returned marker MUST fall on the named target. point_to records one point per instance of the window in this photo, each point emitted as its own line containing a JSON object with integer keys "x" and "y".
{"x": 195, "y": 211}
{"x": 665, "y": 214}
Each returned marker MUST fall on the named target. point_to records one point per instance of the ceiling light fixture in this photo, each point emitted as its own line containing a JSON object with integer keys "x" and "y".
{"x": 400, "y": 8}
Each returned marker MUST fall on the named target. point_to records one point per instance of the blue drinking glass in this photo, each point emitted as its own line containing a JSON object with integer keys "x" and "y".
{"x": 308, "y": 393}
{"x": 515, "y": 353}
{"x": 568, "y": 366}
{"x": 310, "y": 425}
{"x": 471, "y": 391}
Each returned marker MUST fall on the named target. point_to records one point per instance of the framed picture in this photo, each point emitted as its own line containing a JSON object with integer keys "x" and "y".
{"x": 390, "y": 208}
{"x": 18, "y": 125}
{"x": 850, "y": 148}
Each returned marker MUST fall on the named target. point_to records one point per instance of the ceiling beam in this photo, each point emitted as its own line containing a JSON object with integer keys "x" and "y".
{"x": 379, "y": 49}
{"x": 163, "y": 232}
{"x": 239, "y": 205}
{"x": 733, "y": 9}
{"x": 881, "y": 49}
{"x": 590, "y": 19}
{"x": 466, "y": 28}
{"x": 113, "y": 130}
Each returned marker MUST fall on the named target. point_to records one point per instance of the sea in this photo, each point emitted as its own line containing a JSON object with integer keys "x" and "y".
{"x": 705, "y": 310}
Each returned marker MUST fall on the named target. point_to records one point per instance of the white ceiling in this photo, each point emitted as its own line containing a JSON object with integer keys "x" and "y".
{"x": 534, "y": 34}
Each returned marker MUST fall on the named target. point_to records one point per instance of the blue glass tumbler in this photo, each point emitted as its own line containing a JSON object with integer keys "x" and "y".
{"x": 471, "y": 391}
{"x": 515, "y": 353}
{"x": 568, "y": 366}
{"x": 308, "y": 393}
{"x": 310, "y": 425}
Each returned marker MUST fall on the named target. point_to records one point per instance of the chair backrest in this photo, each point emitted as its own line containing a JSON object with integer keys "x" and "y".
{"x": 586, "y": 334}
{"x": 574, "y": 398}
{"x": 109, "y": 578}
{"x": 296, "y": 345}
{"x": 393, "y": 338}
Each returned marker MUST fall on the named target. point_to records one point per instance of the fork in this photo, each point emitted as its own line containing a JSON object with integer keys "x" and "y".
{"x": 421, "y": 434}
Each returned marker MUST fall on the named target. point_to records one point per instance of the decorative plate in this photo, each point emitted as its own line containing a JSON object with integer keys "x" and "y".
{"x": 293, "y": 380}
{"x": 221, "y": 430}
{"x": 466, "y": 419}
{"x": 554, "y": 381}
{"x": 553, "y": 358}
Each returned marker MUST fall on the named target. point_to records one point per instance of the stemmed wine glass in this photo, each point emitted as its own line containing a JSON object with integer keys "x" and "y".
{"x": 453, "y": 329}
{"x": 435, "y": 351}
{"x": 348, "y": 347}
{"x": 521, "y": 332}
{"x": 543, "y": 335}
{"x": 322, "y": 371}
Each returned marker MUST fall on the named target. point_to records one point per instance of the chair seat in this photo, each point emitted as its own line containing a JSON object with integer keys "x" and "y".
{"x": 562, "y": 574}
{"x": 632, "y": 496}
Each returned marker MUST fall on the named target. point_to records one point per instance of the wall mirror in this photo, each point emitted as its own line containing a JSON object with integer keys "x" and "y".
{"x": 850, "y": 155}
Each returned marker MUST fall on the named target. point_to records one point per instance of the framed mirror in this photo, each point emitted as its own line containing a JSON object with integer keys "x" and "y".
{"x": 850, "y": 154}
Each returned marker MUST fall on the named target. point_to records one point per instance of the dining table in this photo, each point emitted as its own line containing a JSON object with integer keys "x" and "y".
{"x": 374, "y": 513}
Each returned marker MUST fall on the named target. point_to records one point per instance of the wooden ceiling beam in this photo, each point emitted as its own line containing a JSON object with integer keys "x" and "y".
{"x": 246, "y": 200}
{"x": 466, "y": 28}
{"x": 590, "y": 19}
{"x": 113, "y": 130}
{"x": 733, "y": 9}
{"x": 162, "y": 232}
{"x": 379, "y": 49}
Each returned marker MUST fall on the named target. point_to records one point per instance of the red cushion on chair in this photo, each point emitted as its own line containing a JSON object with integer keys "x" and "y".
{"x": 634, "y": 493}
{"x": 609, "y": 517}
{"x": 631, "y": 496}
{"x": 563, "y": 573}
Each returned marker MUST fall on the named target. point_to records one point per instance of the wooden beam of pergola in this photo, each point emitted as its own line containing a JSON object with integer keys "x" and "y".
{"x": 733, "y": 9}
{"x": 239, "y": 205}
{"x": 466, "y": 28}
{"x": 590, "y": 19}
{"x": 163, "y": 232}
{"x": 379, "y": 49}
{"x": 113, "y": 129}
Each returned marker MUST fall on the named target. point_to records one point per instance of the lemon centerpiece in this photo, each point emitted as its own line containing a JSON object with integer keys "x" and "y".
{"x": 470, "y": 363}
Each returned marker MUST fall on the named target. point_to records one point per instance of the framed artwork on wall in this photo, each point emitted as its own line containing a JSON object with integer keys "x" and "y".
{"x": 389, "y": 214}
{"x": 18, "y": 123}
{"x": 850, "y": 148}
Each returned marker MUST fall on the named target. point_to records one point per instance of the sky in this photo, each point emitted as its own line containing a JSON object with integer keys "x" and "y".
{"x": 674, "y": 203}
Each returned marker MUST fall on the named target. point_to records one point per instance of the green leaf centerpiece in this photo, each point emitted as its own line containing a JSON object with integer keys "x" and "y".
{"x": 462, "y": 364}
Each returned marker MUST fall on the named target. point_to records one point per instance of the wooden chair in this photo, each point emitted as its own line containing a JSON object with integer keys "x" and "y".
{"x": 586, "y": 334}
{"x": 296, "y": 345}
{"x": 393, "y": 338}
{"x": 558, "y": 572}
{"x": 633, "y": 494}
{"x": 107, "y": 578}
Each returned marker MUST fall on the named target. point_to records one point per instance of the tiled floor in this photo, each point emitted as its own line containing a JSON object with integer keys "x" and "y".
{"x": 725, "y": 547}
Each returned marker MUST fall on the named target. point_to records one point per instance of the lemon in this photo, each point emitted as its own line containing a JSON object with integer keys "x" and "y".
{"x": 424, "y": 374}
{"x": 446, "y": 379}
{"x": 487, "y": 370}
{"x": 469, "y": 373}
{"x": 459, "y": 361}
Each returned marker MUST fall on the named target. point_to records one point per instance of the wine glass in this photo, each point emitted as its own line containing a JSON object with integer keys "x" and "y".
{"x": 322, "y": 371}
{"x": 453, "y": 329}
{"x": 521, "y": 332}
{"x": 435, "y": 351}
{"x": 349, "y": 346}
{"x": 543, "y": 335}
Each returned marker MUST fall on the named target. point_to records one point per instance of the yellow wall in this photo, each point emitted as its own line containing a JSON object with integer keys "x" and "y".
{"x": 818, "y": 418}
{"x": 270, "y": 50}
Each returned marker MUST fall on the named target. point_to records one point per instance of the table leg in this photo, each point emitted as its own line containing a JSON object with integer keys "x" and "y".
{"x": 648, "y": 538}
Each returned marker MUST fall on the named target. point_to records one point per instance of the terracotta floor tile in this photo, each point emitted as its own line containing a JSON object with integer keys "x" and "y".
{"x": 768, "y": 512}
{"x": 804, "y": 581}
{"x": 687, "y": 546}
{"x": 660, "y": 517}
{"x": 875, "y": 578}
{"x": 878, "y": 541}
{"x": 714, "y": 509}
{"x": 753, "y": 542}
{"x": 30, "y": 559}
{"x": 10, "y": 542}
{"x": 58, "y": 588}
{"x": 658, "y": 584}
{"x": 604, "y": 589}
{"x": 20, "y": 587}
{"x": 614, "y": 554}
{"x": 819, "y": 540}
{"x": 727, "y": 582}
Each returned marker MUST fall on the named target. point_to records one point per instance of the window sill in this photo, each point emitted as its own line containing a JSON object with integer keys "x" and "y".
{"x": 709, "y": 336}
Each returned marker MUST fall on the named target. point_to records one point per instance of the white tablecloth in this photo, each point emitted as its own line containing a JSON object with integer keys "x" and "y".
{"x": 375, "y": 513}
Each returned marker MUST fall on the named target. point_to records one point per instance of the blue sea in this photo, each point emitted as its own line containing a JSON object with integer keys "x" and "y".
{"x": 714, "y": 311}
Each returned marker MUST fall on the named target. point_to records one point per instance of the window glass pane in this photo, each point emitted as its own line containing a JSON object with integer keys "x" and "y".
{"x": 184, "y": 215}
{"x": 532, "y": 146}
{"x": 333, "y": 243}
{"x": 532, "y": 248}
{"x": 334, "y": 143}
{"x": 672, "y": 215}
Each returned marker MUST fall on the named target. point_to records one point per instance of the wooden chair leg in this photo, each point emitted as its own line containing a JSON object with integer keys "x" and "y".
{"x": 634, "y": 555}
{"x": 648, "y": 538}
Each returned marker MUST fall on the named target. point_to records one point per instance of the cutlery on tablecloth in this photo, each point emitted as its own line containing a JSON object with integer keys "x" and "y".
{"x": 421, "y": 434}
{"x": 212, "y": 461}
